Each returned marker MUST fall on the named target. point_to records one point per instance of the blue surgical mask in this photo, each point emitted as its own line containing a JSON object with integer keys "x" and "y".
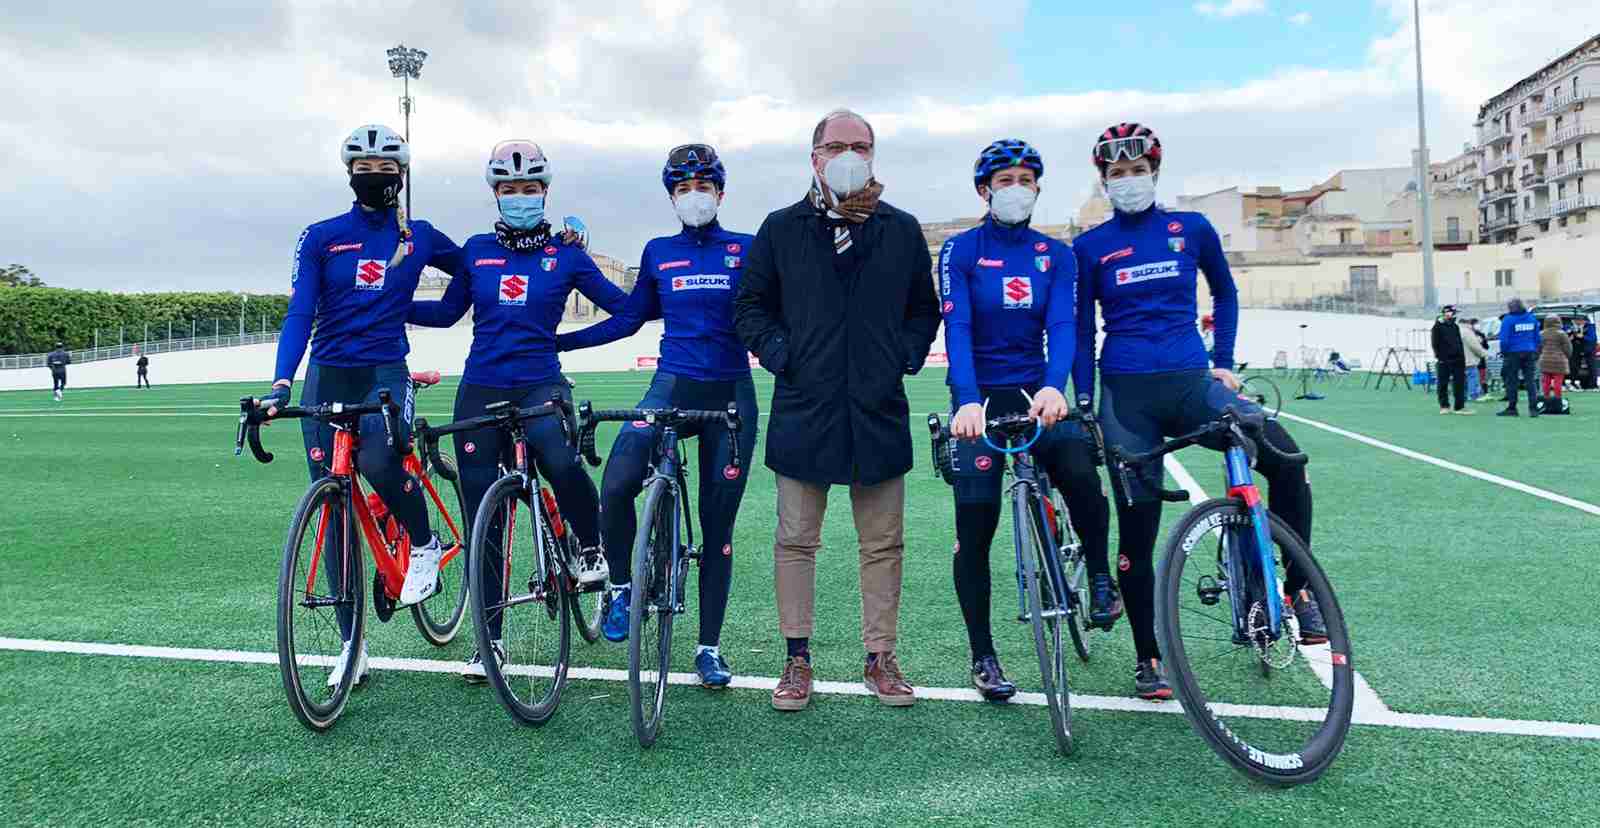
{"x": 522, "y": 212}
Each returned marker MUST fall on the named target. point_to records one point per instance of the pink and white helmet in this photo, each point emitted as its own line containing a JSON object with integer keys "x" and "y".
{"x": 375, "y": 141}
{"x": 517, "y": 160}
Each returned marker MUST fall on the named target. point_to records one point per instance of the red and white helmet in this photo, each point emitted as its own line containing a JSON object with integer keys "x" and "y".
{"x": 1126, "y": 141}
{"x": 517, "y": 160}
{"x": 375, "y": 141}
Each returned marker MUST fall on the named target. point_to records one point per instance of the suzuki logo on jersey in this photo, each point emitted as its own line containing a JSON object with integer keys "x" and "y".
{"x": 489, "y": 263}
{"x": 549, "y": 265}
{"x": 1018, "y": 292}
{"x": 709, "y": 281}
{"x": 341, "y": 248}
{"x": 1120, "y": 254}
{"x": 369, "y": 274}
{"x": 991, "y": 262}
{"x": 1147, "y": 272}
{"x": 513, "y": 289}
{"x": 1042, "y": 262}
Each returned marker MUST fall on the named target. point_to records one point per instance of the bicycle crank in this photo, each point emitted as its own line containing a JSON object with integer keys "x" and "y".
{"x": 382, "y": 604}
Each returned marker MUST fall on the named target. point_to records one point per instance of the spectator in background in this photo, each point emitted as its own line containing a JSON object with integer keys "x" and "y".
{"x": 1475, "y": 353}
{"x": 58, "y": 360}
{"x": 1555, "y": 350}
{"x": 1449, "y": 356}
{"x": 1483, "y": 367}
{"x": 1589, "y": 355}
{"x": 143, "y": 367}
{"x": 1519, "y": 347}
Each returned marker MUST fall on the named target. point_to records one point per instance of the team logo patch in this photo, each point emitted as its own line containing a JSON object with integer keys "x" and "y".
{"x": 1042, "y": 262}
{"x": 991, "y": 262}
{"x": 470, "y": 448}
{"x": 341, "y": 248}
{"x": 489, "y": 263}
{"x": 1176, "y": 244}
{"x": 316, "y": 455}
{"x": 1018, "y": 292}
{"x": 548, "y": 265}
{"x": 1147, "y": 272}
{"x": 732, "y": 261}
{"x": 671, "y": 265}
{"x": 1040, "y": 247}
{"x": 731, "y": 472}
{"x": 1339, "y": 659}
{"x": 513, "y": 289}
{"x": 549, "y": 250}
{"x": 727, "y": 550}
{"x": 640, "y": 424}
{"x": 983, "y": 462}
{"x": 370, "y": 274}
{"x": 706, "y": 281}
{"x": 949, "y": 306}
{"x": 1123, "y": 564}
{"x": 1175, "y": 227}
{"x": 1120, "y": 254}
{"x": 735, "y": 248}
{"x": 410, "y": 483}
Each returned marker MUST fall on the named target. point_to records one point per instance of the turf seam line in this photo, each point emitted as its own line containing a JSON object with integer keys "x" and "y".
{"x": 1455, "y": 467}
{"x": 1386, "y": 718}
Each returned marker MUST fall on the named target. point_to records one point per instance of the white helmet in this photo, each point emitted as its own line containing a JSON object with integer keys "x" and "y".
{"x": 517, "y": 160}
{"x": 375, "y": 141}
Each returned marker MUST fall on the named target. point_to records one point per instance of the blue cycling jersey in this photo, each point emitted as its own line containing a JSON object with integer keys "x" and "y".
{"x": 689, "y": 281}
{"x": 1143, "y": 269}
{"x": 343, "y": 281}
{"x": 1519, "y": 333}
{"x": 517, "y": 298}
{"x": 1004, "y": 289}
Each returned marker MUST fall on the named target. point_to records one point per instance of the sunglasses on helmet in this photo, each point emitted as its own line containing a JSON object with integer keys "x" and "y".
{"x": 1122, "y": 149}
{"x": 691, "y": 154}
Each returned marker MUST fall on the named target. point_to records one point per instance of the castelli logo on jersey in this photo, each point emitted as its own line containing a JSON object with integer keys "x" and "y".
{"x": 1123, "y": 564}
{"x": 489, "y": 263}
{"x": 316, "y": 455}
{"x": 727, "y": 550}
{"x": 410, "y": 483}
{"x": 1040, "y": 247}
{"x": 470, "y": 448}
{"x": 341, "y": 248}
{"x": 983, "y": 462}
{"x": 549, "y": 250}
{"x": 1175, "y": 227}
{"x": 991, "y": 262}
{"x": 731, "y": 472}
{"x": 671, "y": 265}
{"x": 640, "y": 424}
{"x": 735, "y": 248}
{"x": 949, "y": 306}
{"x": 1120, "y": 254}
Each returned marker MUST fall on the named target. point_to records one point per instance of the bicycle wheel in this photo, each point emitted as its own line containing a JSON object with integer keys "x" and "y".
{"x": 1047, "y": 612}
{"x": 1283, "y": 731}
{"x": 439, "y": 617}
{"x": 650, "y": 616}
{"x": 519, "y": 603}
{"x": 319, "y": 580}
{"x": 1261, "y": 390}
{"x": 1077, "y": 579}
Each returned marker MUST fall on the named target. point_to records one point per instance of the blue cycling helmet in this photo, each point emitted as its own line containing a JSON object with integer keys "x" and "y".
{"x": 692, "y": 161}
{"x": 1004, "y": 154}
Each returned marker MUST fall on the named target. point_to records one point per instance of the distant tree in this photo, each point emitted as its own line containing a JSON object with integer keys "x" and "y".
{"x": 15, "y": 275}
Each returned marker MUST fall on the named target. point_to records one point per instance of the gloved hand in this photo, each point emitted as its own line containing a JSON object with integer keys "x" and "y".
{"x": 275, "y": 398}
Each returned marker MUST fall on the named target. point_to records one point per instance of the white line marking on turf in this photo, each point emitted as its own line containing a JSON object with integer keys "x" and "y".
{"x": 1381, "y": 718}
{"x": 1446, "y": 464}
{"x": 1318, "y": 657}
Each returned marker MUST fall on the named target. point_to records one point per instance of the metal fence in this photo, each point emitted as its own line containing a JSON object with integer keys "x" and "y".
{"x": 123, "y": 351}
{"x": 1338, "y": 297}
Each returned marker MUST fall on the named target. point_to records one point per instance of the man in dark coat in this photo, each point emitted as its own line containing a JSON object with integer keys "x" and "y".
{"x": 837, "y": 301}
{"x": 1450, "y": 359}
{"x": 58, "y": 360}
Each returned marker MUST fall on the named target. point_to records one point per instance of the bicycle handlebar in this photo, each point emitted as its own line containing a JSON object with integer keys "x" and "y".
{"x": 252, "y": 417}
{"x": 589, "y": 418}
{"x": 501, "y": 415}
{"x": 1231, "y": 424}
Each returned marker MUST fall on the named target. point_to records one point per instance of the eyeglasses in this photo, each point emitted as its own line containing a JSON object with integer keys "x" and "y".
{"x": 691, "y": 154}
{"x": 1119, "y": 149}
{"x": 838, "y": 147}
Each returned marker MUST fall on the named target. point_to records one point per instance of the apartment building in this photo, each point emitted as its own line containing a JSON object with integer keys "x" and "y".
{"x": 1539, "y": 151}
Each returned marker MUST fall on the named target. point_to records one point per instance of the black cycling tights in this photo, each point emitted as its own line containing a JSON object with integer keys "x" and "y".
{"x": 1288, "y": 497}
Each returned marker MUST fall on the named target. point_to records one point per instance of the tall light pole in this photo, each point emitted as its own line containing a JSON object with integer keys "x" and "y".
{"x": 1430, "y": 291}
{"x": 406, "y": 63}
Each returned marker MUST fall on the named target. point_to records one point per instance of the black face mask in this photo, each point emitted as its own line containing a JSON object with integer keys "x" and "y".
{"x": 376, "y": 190}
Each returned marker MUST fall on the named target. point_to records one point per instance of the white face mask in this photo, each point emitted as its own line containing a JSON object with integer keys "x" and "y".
{"x": 1132, "y": 194}
{"x": 847, "y": 173}
{"x": 695, "y": 208}
{"x": 1012, "y": 204}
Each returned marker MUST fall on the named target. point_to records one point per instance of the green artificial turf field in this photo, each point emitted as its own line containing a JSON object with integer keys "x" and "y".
{"x": 130, "y": 522}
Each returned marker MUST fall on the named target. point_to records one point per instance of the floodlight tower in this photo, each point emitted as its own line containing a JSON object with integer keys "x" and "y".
{"x": 406, "y": 63}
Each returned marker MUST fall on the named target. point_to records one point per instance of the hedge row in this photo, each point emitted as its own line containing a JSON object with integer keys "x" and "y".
{"x": 33, "y": 319}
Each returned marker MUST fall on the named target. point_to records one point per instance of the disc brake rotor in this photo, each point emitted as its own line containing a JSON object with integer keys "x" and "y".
{"x": 1276, "y": 654}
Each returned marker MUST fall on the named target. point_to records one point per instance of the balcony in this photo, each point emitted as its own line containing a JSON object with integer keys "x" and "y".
{"x": 1531, "y": 180}
{"x": 1505, "y": 221}
{"x": 1506, "y": 161}
{"x": 1573, "y": 132}
{"x": 1539, "y": 214}
{"x": 1490, "y": 196}
{"x": 1574, "y": 204}
{"x": 1493, "y": 134}
{"x": 1572, "y": 169}
{"x": 1563, "y": 100}
{"x": 1538, "y": 149}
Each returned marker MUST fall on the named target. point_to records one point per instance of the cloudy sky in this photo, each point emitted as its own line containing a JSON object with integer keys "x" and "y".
{"x": 161, "y": 146}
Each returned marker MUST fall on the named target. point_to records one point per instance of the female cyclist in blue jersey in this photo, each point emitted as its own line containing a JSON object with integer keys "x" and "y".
{"x": 688, "y": 280}
{"x": 354, "y": 276}
{"x": 517, "y": 281}
{"x": 1008, "y": 288}
{"x": 1142, "y": 266}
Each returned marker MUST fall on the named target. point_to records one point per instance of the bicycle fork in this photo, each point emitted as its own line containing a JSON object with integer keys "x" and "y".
{"x": 1249, "y": 553}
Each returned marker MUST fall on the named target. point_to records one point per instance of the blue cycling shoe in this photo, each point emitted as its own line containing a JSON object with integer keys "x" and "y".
{"x": 714, "y": 672}
{"x": 615, "y": 625}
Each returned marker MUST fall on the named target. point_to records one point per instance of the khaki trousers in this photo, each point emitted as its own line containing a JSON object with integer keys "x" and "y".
{"x": 879, "y": 513}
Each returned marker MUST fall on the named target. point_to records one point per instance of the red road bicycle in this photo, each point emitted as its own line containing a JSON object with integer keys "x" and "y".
{"x": 331, "y": 522}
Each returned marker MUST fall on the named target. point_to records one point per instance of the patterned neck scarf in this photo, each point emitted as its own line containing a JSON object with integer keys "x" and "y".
{"x": 513, "y": 239}
{"x": 855, "y": 209}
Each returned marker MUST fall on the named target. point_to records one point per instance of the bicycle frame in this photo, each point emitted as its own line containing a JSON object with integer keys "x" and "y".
{"x": 1257, "y": 558}
{"x": 668, "y": 465}
{"x": 1027, "y": 480}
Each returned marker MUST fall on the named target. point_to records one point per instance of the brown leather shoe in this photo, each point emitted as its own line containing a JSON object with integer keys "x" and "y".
{"x": 884, "y": 680}
{"x": 794, "y": 688}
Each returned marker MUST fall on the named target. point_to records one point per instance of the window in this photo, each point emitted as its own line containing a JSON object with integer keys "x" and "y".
{"x": 1344, "y": 236}
{"x": 1559, "y": 156}
{"x": 1527, "y": 252}
{"x": 1452, "y": 230}
{"x": 1364, "y": 283}
{"x": 1227, "y": 240}
{"x": 1503, "y": 278}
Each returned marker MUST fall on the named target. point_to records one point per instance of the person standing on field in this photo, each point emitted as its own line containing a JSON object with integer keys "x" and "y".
{"x": 1450, "y": 360}
{"x": 58, "y": 360}
{"x": 1519, "y": 347}
{"x": 1474, "y": 354}
{"x": 1555, "y": 352}
{"x": 837, "y": 301}
{"x": 142, "y": 378}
